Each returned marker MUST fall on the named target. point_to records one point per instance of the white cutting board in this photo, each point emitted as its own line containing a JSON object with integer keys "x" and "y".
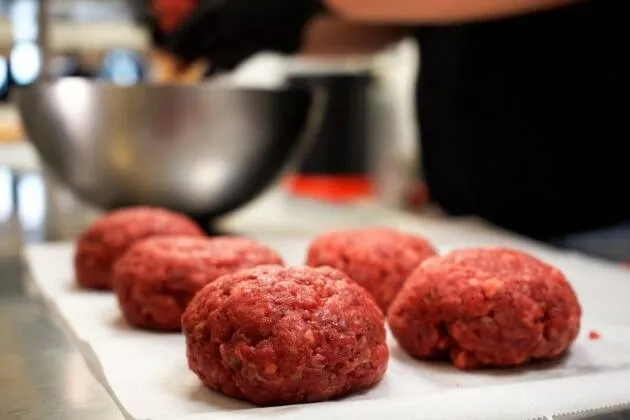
{"x": 147, "y": 374}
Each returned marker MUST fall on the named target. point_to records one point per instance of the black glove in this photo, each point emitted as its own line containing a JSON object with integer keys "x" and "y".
{"x": 226, "y": 32}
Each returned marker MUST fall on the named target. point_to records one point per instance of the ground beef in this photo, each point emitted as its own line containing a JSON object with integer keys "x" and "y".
{"x": 108, "y": 238}
{"x": 285, "y": 335}
{"x": 156, "y": 278}
{"x": 379, "y": 259}
{"x": 594, "y": 335}
{"x": 485, "y": 307}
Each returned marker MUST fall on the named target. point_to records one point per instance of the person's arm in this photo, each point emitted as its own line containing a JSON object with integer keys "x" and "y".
{"x": 327, "y": 36}
{"x": 436, "y": 11}
{"x": 228, "y": 31}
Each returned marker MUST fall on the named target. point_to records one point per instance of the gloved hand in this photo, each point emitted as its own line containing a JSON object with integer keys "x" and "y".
{"x": 226, "y": 32}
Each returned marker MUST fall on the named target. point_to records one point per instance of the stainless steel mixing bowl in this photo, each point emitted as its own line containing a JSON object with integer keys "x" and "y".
{"x": 201, "y": 149}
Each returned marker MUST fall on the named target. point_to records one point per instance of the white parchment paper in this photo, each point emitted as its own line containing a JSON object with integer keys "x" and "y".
{"x": 148, "y": 376}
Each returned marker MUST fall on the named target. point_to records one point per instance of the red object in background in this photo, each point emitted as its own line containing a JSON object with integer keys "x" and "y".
{"x": 170, "y": 13}
{"x": 626, "y": 264}
{"x": 330, "y": 187}
{"x": 594, "y": 335}
{"x": 418, "y": 196}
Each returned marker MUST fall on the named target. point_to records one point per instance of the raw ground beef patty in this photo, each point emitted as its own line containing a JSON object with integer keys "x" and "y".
{"x": 157, "y": 278}
{"x": 284, "y": 335}
{"x": 379, "y": 259}
{"x": 485, "y": 307}
{"x": 108, "y": 238}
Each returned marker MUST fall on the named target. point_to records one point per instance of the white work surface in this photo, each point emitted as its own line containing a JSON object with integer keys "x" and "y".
{"x": 147, "y": 374}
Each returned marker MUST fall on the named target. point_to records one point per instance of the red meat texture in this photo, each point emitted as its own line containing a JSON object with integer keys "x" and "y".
{"x": 485, "y": 308}
{"x": 379, "y": 259}
{"x": 156, "y": 278}
{"x": 108, "y": 238}
{"x": 285, "y": 335}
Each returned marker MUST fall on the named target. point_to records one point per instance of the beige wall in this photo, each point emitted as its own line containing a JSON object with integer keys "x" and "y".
{"x": 87, "y": 36}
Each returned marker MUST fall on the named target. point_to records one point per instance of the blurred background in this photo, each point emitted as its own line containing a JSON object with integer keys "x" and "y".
{"x": 91, "y": 38}
{"x": 112, "y": 40}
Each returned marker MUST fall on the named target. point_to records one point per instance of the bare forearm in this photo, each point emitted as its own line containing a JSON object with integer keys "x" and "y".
{"x": 436, "y": 11}
{"x": 330, "y": 36}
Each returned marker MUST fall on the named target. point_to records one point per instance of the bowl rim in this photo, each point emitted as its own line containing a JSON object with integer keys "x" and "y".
{"x": 211, "y": 85}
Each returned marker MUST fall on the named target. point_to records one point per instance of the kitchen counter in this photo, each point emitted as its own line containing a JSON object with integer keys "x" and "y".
{"x": 43, "y": 375}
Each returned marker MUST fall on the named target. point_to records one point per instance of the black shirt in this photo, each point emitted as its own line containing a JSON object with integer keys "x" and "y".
{"x": 524, "y": 121}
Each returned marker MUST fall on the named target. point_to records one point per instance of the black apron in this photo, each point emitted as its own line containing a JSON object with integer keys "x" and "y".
{"x": 524, "y": 122}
